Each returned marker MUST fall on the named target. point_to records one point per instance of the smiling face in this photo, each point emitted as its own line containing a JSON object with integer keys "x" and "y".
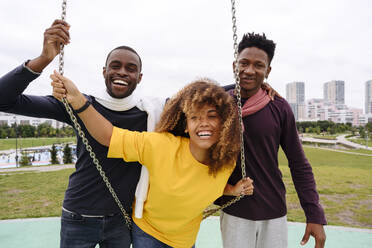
{"x": 122, "y": 73}
{"x": 254, "y": 67}
{"x": 204, "y": 127}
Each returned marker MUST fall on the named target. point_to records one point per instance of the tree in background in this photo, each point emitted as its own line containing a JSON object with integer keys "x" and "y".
{"x": 333, "y": 130}
{"x": 43, "y": 129}
{"x": 317, "y": 130}
{"x": 53, "y": 155}
{"x": 12, "y": 132}
{"x": 300, "y": 130}
{"x": 369, "y": 127}
{"x": 68, "y": 131}
{"x": 27, "y": 131}
{"x": 67, "y": 155}
{"x": 353, "y": 130}
{"x": 324, "y": 126}
{"x": 3, "y": 133}
{"x": 25, "y": 160}
{"x": 362, "y": 132}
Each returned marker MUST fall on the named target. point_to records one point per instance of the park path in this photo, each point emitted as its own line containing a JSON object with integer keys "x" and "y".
{"x": 341, "y": 139}
{"x": 342, "y": 151}
{"x": 38, "y": 168}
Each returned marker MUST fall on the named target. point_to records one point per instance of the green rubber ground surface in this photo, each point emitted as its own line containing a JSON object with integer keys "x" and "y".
{"x": 44, "y": 233}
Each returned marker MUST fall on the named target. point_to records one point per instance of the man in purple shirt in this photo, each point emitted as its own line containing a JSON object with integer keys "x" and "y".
{"x": 260, "y": 220}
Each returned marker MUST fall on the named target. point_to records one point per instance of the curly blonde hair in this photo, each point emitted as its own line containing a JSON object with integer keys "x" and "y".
{"x": 194, "y": 96}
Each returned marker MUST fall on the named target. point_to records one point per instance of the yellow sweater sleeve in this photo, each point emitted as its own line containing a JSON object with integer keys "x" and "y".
{"x": 127, "y": 145}
{"x": 116, "y": 144}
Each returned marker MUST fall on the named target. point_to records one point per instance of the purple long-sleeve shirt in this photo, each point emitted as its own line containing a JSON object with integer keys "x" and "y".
{"x": 265, "y": 130}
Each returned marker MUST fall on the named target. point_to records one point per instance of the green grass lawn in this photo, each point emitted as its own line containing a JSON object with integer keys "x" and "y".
{"x": 6, "y": 144}
{"x": 319, "y": 157}
{"x": 343, "y": 181}
{"x": 344, "y": 185}
{"x": 31, "y": 195}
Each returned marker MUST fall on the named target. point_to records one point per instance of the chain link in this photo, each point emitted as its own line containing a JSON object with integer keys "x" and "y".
{"x": 62, "y": 50}
{"x": 210, "y": 212}
{"x": 85, "y": 140}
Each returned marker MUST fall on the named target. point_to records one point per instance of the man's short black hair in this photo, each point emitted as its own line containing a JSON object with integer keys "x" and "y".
{"x": 259, "y": 41}
{"x": 125, "y": 48}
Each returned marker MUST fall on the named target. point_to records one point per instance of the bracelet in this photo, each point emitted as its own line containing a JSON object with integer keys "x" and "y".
{"x": 82, "y": 108}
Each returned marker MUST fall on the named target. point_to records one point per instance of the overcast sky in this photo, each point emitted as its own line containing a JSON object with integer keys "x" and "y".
{"x": 317, "y": 41}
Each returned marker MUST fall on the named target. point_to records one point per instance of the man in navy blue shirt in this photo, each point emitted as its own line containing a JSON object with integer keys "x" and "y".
{"x": 90, "y": 215}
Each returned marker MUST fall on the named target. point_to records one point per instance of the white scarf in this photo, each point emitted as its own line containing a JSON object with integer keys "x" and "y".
{"x": 153, "y": 107}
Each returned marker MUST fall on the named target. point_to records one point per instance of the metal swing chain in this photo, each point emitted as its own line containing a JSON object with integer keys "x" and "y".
{"x": 210, "y": 212}
{"x": 237, "y": 89}
{"x": 77, "y": 126}
{"x": 84, "y": 139}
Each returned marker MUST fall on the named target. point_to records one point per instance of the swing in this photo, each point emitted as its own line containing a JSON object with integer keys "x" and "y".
{"x": 77, "y": 126}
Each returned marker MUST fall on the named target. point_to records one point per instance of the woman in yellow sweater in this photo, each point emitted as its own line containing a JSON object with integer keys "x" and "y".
{"x": 189, "y": 158}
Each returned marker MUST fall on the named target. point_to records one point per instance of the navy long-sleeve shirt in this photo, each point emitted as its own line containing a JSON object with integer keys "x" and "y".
{"x": 86, "y": 192}
{"x": 265, "y": 131}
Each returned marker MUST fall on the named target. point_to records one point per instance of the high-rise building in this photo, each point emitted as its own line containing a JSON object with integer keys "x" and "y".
{"x": 295, "y": 95}
{"x": 334, "y": 92}
{"x": 368, "y": 104}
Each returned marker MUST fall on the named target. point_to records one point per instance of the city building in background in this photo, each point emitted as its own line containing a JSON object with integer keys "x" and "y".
{"x": 334, "y": 92}
{"x": 329, "y": 108}
{"x": 9, "y": 119}
{"x": 295, "y": 95}
{"x": 368, "y": 99}
{"x": 316, "y": 110}
{"x": 321, "y": 110}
